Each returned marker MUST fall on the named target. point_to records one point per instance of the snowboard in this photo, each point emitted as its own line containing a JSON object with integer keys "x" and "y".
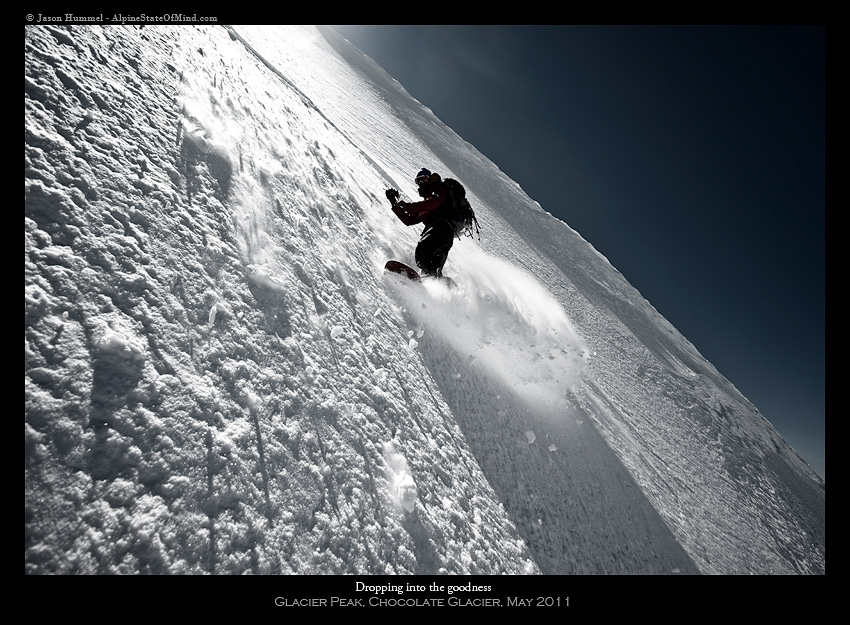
{"x": 409, "y": 272}
{"x": 399, "y": 267}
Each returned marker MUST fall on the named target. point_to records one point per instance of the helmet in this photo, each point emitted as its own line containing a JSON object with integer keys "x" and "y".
{"x": 423, "y": 176}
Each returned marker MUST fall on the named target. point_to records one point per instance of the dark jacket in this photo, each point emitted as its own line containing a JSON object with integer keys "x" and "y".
{"x": 429, "y": 210}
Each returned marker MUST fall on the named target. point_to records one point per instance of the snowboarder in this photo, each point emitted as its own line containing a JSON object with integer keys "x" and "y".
{"x": 439, "y": 233}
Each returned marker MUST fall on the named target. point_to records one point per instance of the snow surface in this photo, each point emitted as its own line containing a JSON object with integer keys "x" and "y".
{"x": 220, "y": 378}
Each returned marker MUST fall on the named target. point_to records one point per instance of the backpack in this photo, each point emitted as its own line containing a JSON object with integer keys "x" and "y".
{"x": 460, "y": 214}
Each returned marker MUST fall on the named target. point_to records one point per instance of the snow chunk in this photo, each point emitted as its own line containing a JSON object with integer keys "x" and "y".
{"x": 530, "y": 436}
{"x": 262, "y": 276}
{"x": 381, "y": 376}
{"x": 252, "y": 400}
{"x": 118, "y": 343}
{"x": 218, "y": 308}
{"x": 407, "y": 492}
{"x": 403, "y": 489}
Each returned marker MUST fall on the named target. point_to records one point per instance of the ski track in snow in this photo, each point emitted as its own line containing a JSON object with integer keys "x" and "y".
{"x": 220, "y": 378}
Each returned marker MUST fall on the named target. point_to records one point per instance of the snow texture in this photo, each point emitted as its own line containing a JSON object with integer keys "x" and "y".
{"x": 220, "y": 378}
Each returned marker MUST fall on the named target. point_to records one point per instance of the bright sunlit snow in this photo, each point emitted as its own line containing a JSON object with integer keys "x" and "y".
{"x": 220, "y": 377}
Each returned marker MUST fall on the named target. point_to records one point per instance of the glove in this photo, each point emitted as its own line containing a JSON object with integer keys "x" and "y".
{"x": 392, "y": 196}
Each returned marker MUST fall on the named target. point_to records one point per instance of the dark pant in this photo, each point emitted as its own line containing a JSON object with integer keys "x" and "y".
{"x": 433, "y": 248}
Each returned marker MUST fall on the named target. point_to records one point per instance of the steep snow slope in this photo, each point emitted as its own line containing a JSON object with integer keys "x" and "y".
{"x": 666, "y": 418}
{"x": 220, "y": 378}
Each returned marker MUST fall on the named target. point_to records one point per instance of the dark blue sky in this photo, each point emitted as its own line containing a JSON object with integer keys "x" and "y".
{"x": 693, "y": 158}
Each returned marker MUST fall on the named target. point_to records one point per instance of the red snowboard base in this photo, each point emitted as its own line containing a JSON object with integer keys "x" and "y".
{"x": 397, "y": 267}
{"x": 409, "y": 272}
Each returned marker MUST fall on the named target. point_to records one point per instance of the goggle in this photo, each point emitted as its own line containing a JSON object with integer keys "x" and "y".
{"x": 422, "y": 180}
